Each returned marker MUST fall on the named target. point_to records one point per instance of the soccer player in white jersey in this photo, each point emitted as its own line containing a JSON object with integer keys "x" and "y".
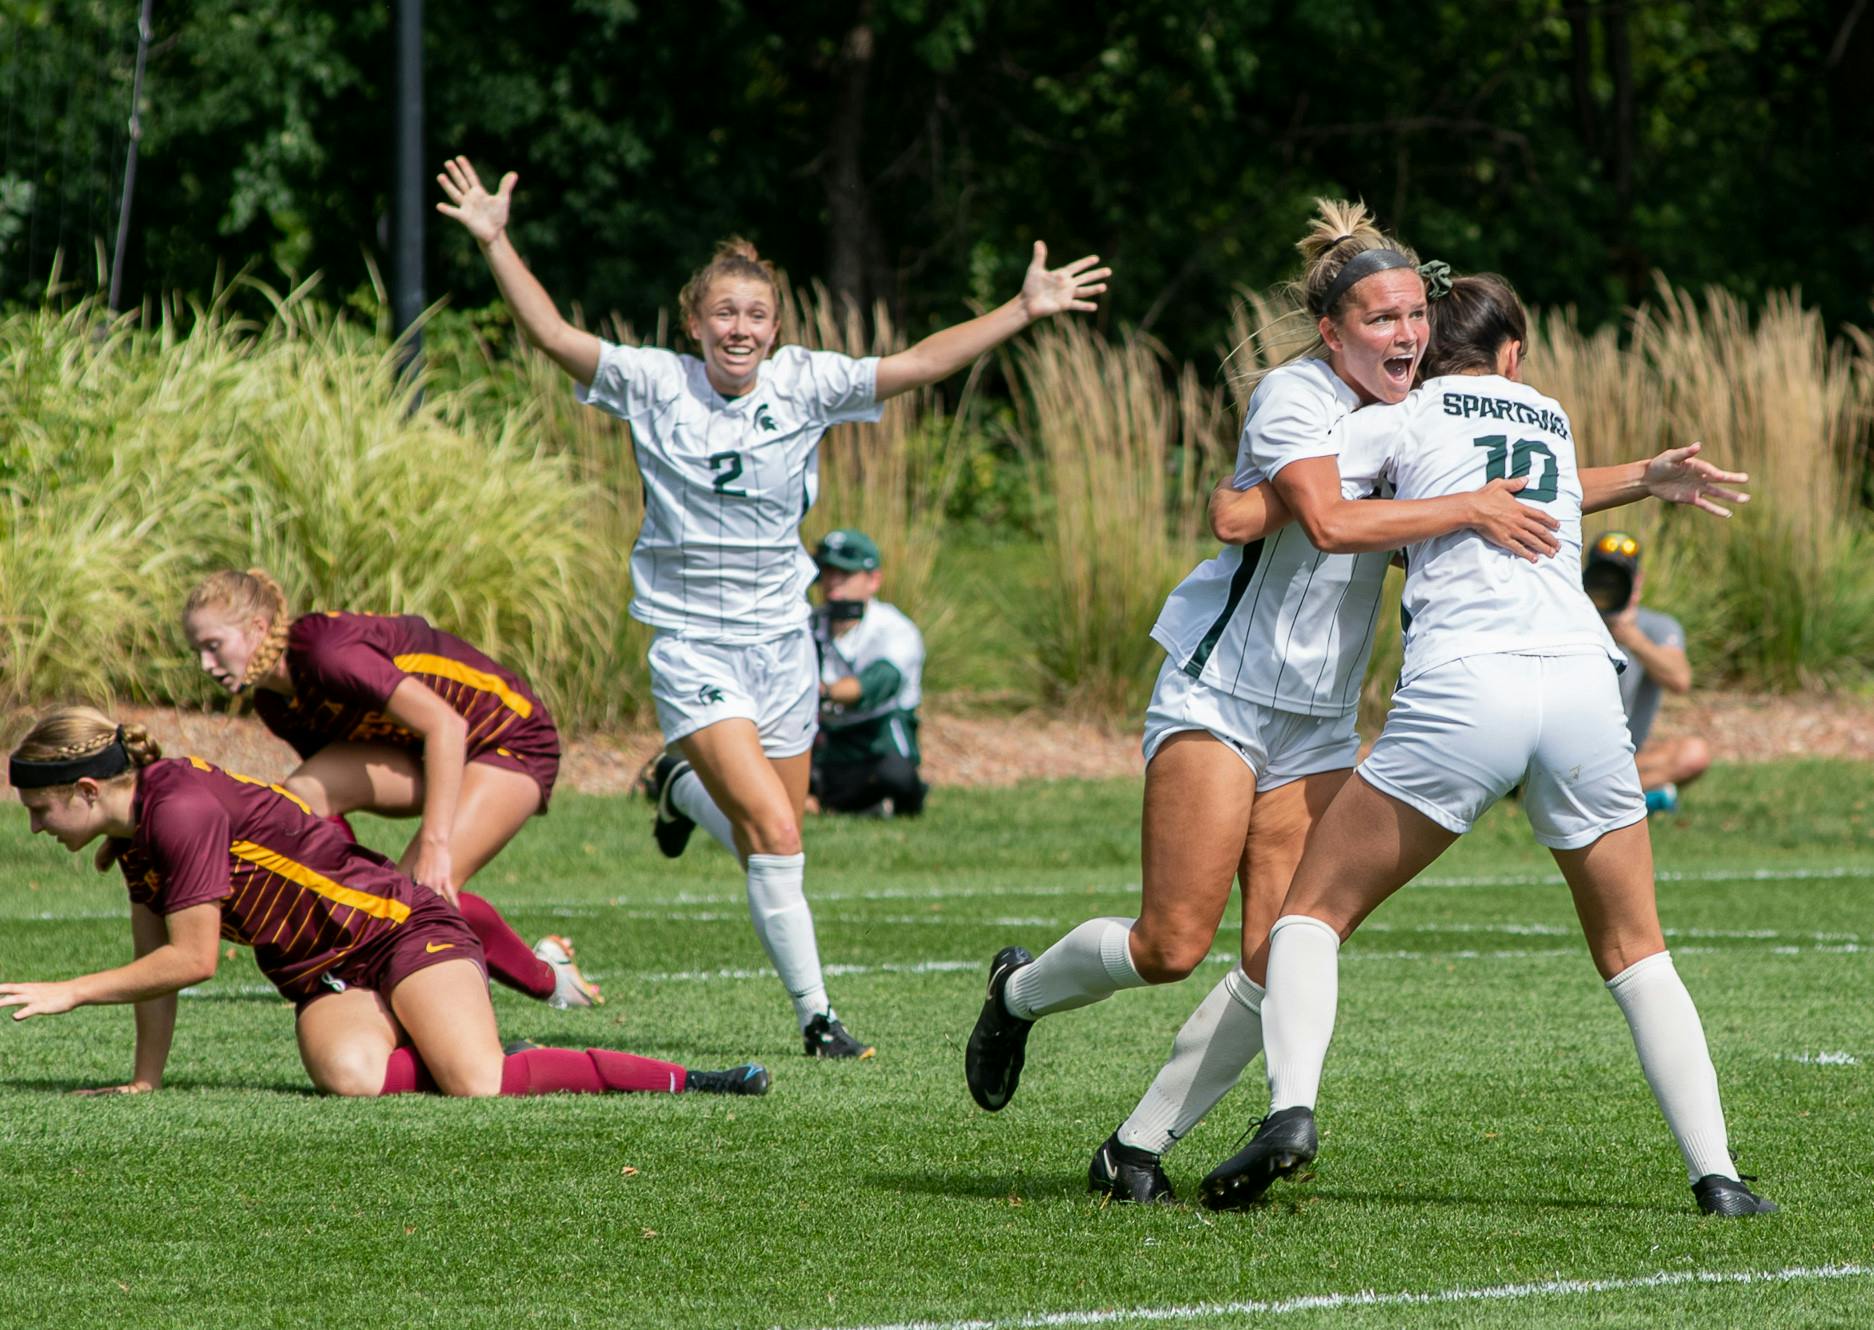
{"x": 1252, "y": 716}
{"x": 1250, "y": 729}
{"x": 1509, "y": 678}
{"x": 727, "y": 446}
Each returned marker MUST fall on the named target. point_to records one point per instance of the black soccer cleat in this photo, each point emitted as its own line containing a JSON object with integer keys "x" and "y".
{"x": 992, "y": 1060}
{"x": 671, "y": 827}
{"x": 749, "y": 1078}
{"x": 1127, "y": 1173}
{"x": 1283, "y": 1143}
{"x": 825, "y": 1037}
{"x": 1719, "y": 1195}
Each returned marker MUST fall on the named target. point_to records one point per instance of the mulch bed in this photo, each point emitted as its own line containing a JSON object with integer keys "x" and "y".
{"x": 970, "y": 747}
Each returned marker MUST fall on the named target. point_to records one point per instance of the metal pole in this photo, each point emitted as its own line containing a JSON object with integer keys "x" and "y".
{"x": 407, "y": 212}
{"x": 130, "y": 158}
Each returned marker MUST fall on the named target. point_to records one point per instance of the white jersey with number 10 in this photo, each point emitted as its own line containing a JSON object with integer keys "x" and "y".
{"x": 1463, "y": 595}
{"x": 727, "y": 481}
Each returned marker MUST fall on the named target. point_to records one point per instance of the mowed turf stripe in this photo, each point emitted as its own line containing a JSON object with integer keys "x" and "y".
{"x": 1314, "y": 1302}
{"x": 955, "y": 966}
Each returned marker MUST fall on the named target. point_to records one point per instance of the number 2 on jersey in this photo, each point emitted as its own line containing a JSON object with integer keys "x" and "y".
{"x": 1520, "y": 458}
{"x": 733, "y": 464}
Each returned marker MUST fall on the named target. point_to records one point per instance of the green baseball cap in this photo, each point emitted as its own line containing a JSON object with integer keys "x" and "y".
{"x": 850, "y": 551}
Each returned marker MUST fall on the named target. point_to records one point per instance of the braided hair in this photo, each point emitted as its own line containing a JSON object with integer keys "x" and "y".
{"x": 247, "y": 595}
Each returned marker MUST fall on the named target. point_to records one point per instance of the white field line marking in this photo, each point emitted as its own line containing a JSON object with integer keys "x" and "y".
{"x": 965, "y": 966}
{"x": 725, "y": 900}
{"x": 1832, "y": 1059}
{"x": 1547, "y": 1288}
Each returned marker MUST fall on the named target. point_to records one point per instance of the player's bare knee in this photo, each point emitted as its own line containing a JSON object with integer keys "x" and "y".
{"x": 480, "y": 1081}
{"x": 1161, "y": 960}
{"x": 350, "y": 1075}
{"x": 312, "y": 793}
{"x": 1694, "y": 758}
{"x": 774, "y": 835}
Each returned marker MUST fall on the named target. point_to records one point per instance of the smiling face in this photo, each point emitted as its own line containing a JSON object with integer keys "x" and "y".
{"x": 223, "y": 643}
{"x": 1380, "y": 335}
{"x": 73, "y": 815}
{"x": 735, "y": 324}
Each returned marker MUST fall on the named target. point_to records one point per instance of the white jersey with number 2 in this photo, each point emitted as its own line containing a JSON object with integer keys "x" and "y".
{"x": 727, "y": 481}
{"x": 1463, "y": 595}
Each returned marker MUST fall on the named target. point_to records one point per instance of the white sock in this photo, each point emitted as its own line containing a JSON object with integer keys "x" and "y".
{"x": 689, "y": 797}
{"x": 1221, "y": 1038}
{"x": 1671, "y": 1044}
{"x": 785, "y": 926}
{"x": 1092, "y": 962}
{"x": 1298, "y": 1014}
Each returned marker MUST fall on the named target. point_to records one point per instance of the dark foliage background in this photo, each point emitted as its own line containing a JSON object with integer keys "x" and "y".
{"x": 909, "y": 150}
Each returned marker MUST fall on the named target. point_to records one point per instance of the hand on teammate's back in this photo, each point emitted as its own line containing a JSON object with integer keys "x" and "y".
{"x": 1510, "y": 524}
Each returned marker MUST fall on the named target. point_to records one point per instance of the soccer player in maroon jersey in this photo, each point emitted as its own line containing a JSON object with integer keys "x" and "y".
{"x": 395, "y": 717}
{"x": 388, "y": 978}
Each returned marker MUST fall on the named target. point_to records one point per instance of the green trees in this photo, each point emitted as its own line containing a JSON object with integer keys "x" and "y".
{"x": 906, "y": 151}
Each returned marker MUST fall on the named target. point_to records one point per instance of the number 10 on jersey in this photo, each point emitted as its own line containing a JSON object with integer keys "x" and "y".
{"x": 1520, "y": 457}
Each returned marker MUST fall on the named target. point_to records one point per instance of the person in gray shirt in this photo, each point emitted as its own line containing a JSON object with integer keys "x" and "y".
{"x": 1657, "y": 664}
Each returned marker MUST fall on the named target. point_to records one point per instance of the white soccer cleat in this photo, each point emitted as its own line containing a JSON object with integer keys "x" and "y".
{"x": 570, "y": 988}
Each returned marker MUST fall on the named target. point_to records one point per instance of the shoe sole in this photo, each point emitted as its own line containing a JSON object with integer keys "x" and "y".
{"x": 1246, "y": 1187}
{"x": 988, "y": 1018}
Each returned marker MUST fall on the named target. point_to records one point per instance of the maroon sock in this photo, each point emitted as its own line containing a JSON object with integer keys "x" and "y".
{"x": 344, "y": 827}
{"x": 595, "y": 1071}
{"x": 406, "y": 1074}
{"x": 510, "y": 960}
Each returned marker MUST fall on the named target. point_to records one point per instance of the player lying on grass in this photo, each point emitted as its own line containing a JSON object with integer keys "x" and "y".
{"x": 727, "y": 447}
{"x": 393, "y": 716}
{"x": 389, "y": 982}
{"x": 1250, "y": 730}
{"x": 1508, "y": 679}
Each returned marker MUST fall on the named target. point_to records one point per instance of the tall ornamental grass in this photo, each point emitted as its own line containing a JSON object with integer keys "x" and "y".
{"x": 1120, "y": 451}
{"x": 1782, "y": 595}
{"x": 139, "y": 460}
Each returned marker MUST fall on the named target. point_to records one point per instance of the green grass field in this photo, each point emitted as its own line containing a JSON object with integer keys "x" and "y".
{"x": 1490, "y": 1154}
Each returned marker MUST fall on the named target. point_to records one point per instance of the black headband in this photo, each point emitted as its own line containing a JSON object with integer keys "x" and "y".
{"x": 111, "y": 760}
{"x": 1363, "y": 264}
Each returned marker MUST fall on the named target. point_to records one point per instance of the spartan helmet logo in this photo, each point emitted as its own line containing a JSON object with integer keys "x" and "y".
{"x": 708, "y": 693}
{"x": 765, "y": 418}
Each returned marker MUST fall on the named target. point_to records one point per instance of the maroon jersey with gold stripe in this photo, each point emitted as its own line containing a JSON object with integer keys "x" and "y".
{"x": 345, "y": 667}
{"x": 290, "y": 885}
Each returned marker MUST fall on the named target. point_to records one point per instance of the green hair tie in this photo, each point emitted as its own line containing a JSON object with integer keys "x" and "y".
{"x": 1437, "y": 275}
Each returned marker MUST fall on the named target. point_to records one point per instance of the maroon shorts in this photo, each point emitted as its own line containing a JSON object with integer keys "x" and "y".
{"x": 531, "y": 747}
{"x": 435, "y": 932}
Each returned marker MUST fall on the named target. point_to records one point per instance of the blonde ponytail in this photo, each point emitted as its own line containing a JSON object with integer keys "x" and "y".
{"x": 1341, "y": 231}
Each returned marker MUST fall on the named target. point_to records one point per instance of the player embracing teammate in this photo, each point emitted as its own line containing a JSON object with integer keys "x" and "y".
{"x": 1249, "y": 736}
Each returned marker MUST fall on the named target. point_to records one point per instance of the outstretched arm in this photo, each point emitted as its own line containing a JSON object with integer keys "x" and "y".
{"x": 186, "y": 955}
{"x": 485, "y": 216}
{"x": 1677, "y": 475}
{"x": 1044, "y": 292}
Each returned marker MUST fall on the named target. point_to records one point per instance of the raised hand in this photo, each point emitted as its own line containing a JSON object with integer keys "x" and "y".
{"x": 1047, "y": 291}
{"x": 1679, "y": 476}
{"x": 484, "y": 214}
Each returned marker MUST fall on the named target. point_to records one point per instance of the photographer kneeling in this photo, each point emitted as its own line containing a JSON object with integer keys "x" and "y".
{"x": 1655, "y": 647}
{"x": 871, "y": 663}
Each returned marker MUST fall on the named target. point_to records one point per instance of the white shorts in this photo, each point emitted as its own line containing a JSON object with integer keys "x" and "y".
{"x": 776, "y": 684}
{"x": 1462, "y": 735}
{"x": 1277, "y": 746}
